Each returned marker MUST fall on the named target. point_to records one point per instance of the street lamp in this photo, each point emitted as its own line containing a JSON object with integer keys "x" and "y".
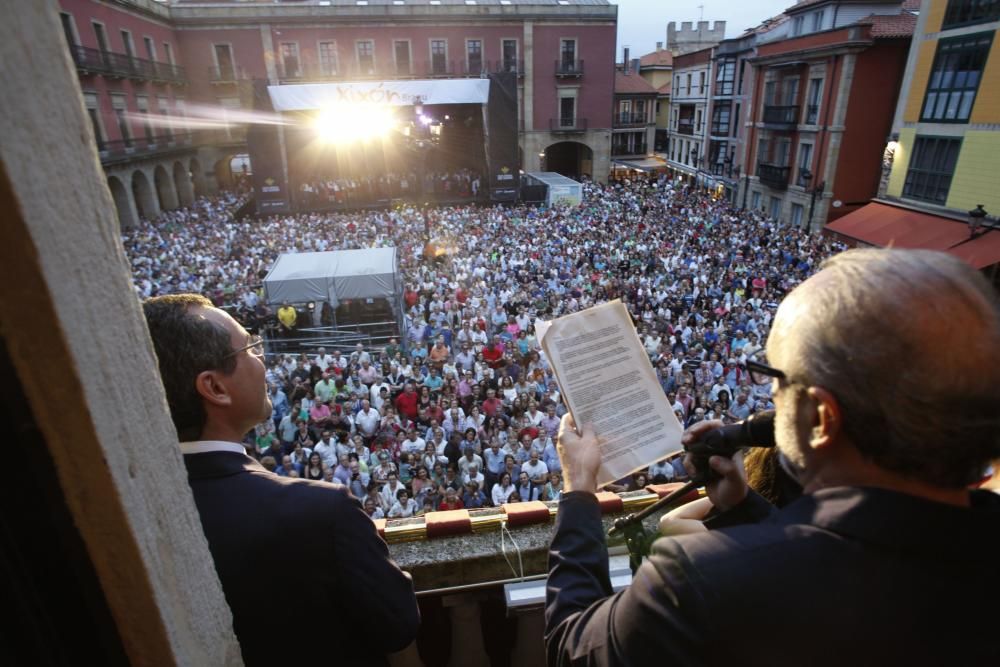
{"x": 976, "y": 218}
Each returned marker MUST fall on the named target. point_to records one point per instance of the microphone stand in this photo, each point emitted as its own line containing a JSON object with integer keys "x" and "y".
{"x": 637, "y": 538}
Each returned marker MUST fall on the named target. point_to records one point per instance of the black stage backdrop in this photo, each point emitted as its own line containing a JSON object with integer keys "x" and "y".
{"x": 264, "y": 146}
{"x": 503, "y": 159}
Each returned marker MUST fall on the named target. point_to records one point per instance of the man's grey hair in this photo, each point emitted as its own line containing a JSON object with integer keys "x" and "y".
{"x": 909, "y": 343}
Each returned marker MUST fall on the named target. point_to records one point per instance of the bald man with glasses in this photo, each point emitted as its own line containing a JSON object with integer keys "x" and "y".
{"x": 884, "y": 369}
{"x": 213, "y": 372}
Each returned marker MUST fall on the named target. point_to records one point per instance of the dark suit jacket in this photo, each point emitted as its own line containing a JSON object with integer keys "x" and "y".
{"x": 339, "y": 600}
{"x": 845, "y": 576}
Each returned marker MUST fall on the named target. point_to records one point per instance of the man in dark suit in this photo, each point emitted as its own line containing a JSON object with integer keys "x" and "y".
{"x": 885, "y": 371}
{"x": 350, "y": 602}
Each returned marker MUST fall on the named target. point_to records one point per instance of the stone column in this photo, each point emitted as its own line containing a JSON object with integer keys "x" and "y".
{"x": 122, "y": 480}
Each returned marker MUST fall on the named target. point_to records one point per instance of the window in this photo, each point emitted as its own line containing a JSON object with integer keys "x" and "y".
{"x": 812, "y": 101}
{"x": 229, "y": 104}
{"x": 168, "y": 51}
{"x": 567, "y": 54}
{"x": 762, "y": 151}
{"x": 721, "y": 119}
{"x": 698, "y": 121}
{"x": 401, "y": 56}
{"x": 180, "y": 113}
{"x": 701, "y": 83}
{"x": 739, "y": 83}
{"x": 150, "y": 47}
{"x": 955, "y": 76}
{"x": 121, "y": 117}
{"x": 567, "y": 112}
{"x": 142, "y": 104}
{"x": 775, "y": 210}
{"x": 769, "y": 89}
{"x": 290, "y": 59}
{"x": 162, "y": 105}
{"x": 725, "y": 74}
{"x": 755, "y": 201}
{"x": 93, "y": 112}
{"x": 688, "y": 84}
{"x": 474, "y": 55}
{"x": 328, "y": 58}
{"x": 509, "y": 48}
{"x": 817, "y": 20}
{"x": 68, "y": 28}
{"x": 439, "y": 56}
{"x": 805, "y": 163}
{"x": 365, "y": 50}
{"x": 968, "y": 12}
{"x": 931, "y": 167}
{"x": 782, "y": 152}
{"x": 127, "y": 43}
{"x": 796, "y": 215}
{"x": 224, "y": 61}
{"x": 791, "y": 90}
{"x": 102, "y": 37}
{"x": 736, "y": 121}
{"x": 798, "y": 25}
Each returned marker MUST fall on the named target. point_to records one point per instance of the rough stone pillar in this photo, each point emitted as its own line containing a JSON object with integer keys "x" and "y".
{"x": 122, "y": 479}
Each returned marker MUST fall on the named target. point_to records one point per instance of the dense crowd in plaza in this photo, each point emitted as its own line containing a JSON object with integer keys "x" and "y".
{"x": 463, "y": 410}
{"x": 448, "y": 185}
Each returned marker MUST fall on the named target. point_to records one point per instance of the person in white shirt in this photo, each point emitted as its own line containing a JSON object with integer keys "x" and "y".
{"x": 472, "y": 474}
{"x": 367, "y": 420}
{"x": 404, "y": 506}
{"x": 535, "y": 467}
{"x": 413, "y": 444}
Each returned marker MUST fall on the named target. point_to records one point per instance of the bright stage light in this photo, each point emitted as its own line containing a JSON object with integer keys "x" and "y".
{"x": 346, "y": 123}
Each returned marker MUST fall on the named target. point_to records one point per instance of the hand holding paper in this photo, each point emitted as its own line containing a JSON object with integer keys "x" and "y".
{"x": 580, "y": 455}
{"x": 609, "y": 385}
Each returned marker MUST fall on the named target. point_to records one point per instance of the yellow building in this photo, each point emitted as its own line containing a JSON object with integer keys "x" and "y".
{"x": 942, "y": 161}
{"x": 657, "y": 69}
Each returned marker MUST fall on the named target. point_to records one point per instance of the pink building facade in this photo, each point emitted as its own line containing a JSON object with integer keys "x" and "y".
{"x": 148, "y": 69}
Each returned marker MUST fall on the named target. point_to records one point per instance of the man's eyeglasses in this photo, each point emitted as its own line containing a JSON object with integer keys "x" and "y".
{"x": 255, "y": 347}
{"x": 761, "y": 372}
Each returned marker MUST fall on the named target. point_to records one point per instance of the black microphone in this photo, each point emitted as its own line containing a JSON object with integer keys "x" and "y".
{"x": 757, "y": 430}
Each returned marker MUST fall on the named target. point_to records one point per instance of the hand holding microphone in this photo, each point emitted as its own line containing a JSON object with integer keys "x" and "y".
{"x": 714, "y": 459}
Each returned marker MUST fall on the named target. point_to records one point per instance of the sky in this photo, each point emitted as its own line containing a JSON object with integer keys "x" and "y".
{"x": 643, "y": 23}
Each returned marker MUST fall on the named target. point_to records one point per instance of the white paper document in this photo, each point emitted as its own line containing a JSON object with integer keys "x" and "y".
{"x": 606, "y": 378}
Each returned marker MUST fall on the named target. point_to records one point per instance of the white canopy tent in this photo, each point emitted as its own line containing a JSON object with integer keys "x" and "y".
{"x": 560, "y": 189}
{"x": 369, "y": 273}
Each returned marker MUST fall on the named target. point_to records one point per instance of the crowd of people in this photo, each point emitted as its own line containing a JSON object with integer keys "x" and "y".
{"x": 463, "y": 410}
{"x": 319, "y": 192}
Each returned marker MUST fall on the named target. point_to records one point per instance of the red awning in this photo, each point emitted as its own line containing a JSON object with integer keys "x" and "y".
{"x": 891, "y": 226}
{"x": 983, "y": 251}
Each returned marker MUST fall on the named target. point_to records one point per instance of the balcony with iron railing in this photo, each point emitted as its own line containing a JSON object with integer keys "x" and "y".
{"x": 685, "y": 127}
{"x": 568, "y": 124}
{"x": 128, "y": 149}
{"x": 226, "y": 75}
{"x": 624, "y": 150}
{"x": 569, "y": 68}
{"x": 781, "y": 117}
{"x": 623, "y": 120}
{"x": 514, "y": 66}
{"x": 90, "y": 61}
{"x": 774, "y": 176}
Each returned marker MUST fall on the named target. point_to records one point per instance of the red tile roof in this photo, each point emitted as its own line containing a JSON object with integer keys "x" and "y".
{"x": 897, "y": 25}
{"x": 632, "y": 84}
{"x": 804, "y": 4}
{"x": 664, "y": 89}
{"x": 661, "y": 58}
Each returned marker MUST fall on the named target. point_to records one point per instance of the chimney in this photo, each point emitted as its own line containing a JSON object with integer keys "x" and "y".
{"x": 659, "y": 46}
{"x": 626, "y": 60}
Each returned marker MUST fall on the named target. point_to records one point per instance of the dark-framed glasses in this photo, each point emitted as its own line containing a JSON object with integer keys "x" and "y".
{"x": 761, "y": 372}
{"x": 254, "y": 347}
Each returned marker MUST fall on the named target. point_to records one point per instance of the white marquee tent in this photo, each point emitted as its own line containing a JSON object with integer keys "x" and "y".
{"x": 369, "y": 273}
